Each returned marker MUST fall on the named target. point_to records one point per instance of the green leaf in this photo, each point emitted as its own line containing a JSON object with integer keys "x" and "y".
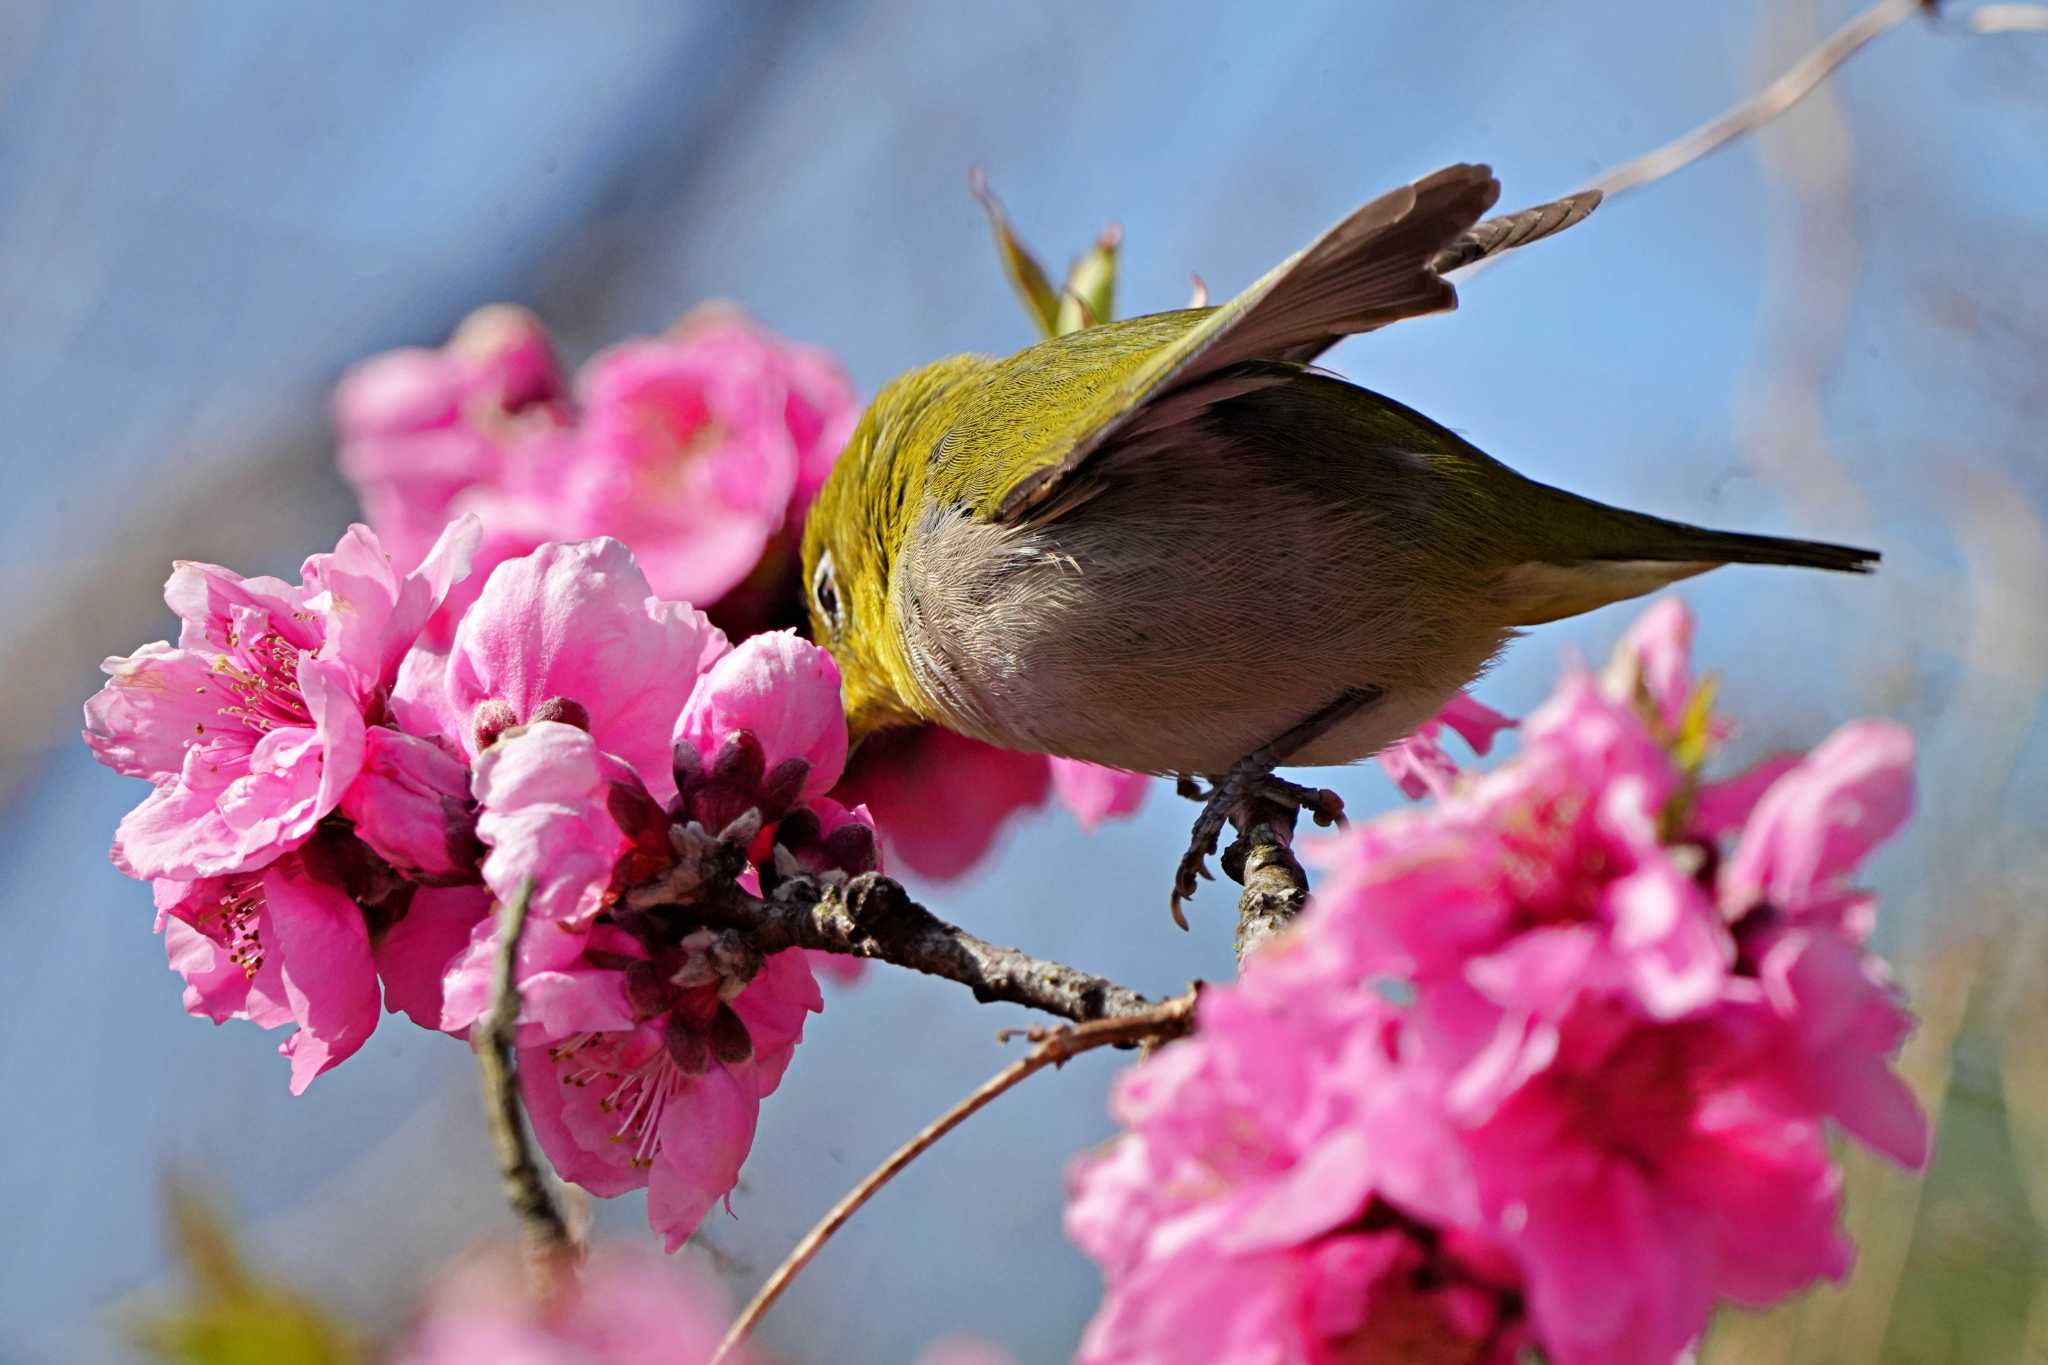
{"x": 1089, "y": 297}
{"x": 230, "y": 1316}
{"x": 1027, "y": 277}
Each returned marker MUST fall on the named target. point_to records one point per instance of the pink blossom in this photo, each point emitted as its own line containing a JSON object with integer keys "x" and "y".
{"x": 818, "y": 405}
{"x": 415, "y": 953}
{"x": 684, "y": 453}
{"x": 1830, "y": 1019}
{"x": 1546, "y": 875}
{"x": 570, "y": 633}
{"x": 625, "y": 1308}
{"x": 285, "y": 944}
{"x": 1817, "y": 822}
{"x": 1242, "y": 1217}
{"x": 1604, "y": 1092}
{"x": 783, "y": 691}
{"x": 695, "y": 447}
{"x": 547, "y": 797}
{"x": 941, "y": 799}
{"x": 1419, "y": 765}
{"x": 1653, "y": 663}
{"x": 670, "y": 1102}
{"x": 431, "y": 434}
{"x": 252, "y": 727}
{"x": 1095, "y": 793}
{"x": 411, "y": 803}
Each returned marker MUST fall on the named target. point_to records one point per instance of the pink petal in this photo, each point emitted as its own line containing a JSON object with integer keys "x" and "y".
{"x": 1655, "y": 656}
{"x": 157, "y": 703}
{"x": 411, "y": 804}
{"x": 939, "y": 798}
{"x": 1723, "y": 808}
{"x": 577, "y": 621}
{"x": 543, "y": 813}
{"x": 329, "y": 976}
{"x": 1817, "y": 823}
{"x": 784, "y": 690}
{"x": 706, "y": 1134}
{"x": 1095, "y": 793}
{"x": 415, "y": 953}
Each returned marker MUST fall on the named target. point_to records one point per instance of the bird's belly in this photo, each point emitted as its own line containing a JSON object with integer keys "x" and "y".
{"x": 1180, "y": 626}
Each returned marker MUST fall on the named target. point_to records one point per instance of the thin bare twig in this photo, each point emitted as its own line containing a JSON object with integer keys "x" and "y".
{"x": 550, "y": 1249}
{"x": 1774, "y": 99}
{"x": 871, "y": 916}
{"x": 1055, "y": 1046}
{"x": 2009, "y": 19}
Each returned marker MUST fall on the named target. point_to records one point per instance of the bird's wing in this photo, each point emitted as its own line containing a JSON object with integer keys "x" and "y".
{"x": 1380, "y": 265}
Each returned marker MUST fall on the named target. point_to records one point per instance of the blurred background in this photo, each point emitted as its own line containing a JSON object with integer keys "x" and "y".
{"x": 1836, "y": 328}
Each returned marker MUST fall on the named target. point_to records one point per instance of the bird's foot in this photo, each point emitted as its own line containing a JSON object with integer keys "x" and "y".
{"x": 1218, "y": 804}
{"x": 1242, "y": 790}
{"x": 1251, "y": 781}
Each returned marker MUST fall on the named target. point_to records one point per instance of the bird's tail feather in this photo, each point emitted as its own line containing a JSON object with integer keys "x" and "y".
{"x": 1631, "y": 554}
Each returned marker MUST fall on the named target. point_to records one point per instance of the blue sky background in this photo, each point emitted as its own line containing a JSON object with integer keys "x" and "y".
{"x": 1837, "y": 329}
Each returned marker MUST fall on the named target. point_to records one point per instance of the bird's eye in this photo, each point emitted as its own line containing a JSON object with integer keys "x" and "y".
{"x": 825, "y": 592}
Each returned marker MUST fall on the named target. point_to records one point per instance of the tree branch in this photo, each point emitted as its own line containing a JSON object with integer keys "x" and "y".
{"x": 871, "y": 916}
{"x": 1156, "y": 1023}
{"x": 1262, "y": 858}
{"x": 551, "y": 1250}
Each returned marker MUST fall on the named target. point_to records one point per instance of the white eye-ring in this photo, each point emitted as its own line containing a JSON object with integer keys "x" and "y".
{"x": 825, "y": 592}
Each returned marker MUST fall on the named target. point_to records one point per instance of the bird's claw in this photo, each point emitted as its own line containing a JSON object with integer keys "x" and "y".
{"x": 1221, "y": 803}
{"x": 1202, "y": 841}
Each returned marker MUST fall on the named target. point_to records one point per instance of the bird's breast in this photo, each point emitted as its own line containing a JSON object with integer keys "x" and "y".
{"x": 1185, "y": 616}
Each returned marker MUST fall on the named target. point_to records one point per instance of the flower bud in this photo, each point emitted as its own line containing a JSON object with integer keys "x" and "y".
{"x": 492, "y": 718}
{"x": 851, "y": 849}
{"x": 564, "y": 710}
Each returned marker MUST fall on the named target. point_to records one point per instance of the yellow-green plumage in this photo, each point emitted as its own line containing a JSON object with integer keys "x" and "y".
{"x": 1161, "y": 543}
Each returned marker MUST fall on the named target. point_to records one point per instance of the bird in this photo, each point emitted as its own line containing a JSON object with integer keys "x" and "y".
{"x": 1174, "y": 544}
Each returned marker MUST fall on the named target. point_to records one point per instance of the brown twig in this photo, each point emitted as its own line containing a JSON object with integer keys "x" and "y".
{"x": 550, "y": 1249}
{"x": 1055, "y": 1046}
{"x": 1262, "y": 858}
{"x": 871, "y": 916}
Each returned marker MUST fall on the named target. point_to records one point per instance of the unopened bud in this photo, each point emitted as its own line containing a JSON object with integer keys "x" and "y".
{"x": 1088, "y": 299}
{"x": 1027, "y": 277}
{"x": 851, "y": 848}
{"x": 564, "y": 710}
{"x": 492, "y": 718}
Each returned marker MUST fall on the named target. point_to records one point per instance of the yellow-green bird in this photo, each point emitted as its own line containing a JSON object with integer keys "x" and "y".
{"x": 1173, "y": 545}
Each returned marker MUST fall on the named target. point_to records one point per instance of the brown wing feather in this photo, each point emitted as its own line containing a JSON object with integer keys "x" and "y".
{"x": 1374, "y": 268}
{"x": 1511, "y": 230}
